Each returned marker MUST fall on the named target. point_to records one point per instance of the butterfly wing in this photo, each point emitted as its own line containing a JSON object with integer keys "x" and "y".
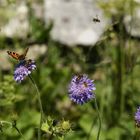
{"x": 14, "y": 55}
{"x": 22, "y": 56}
{"x": 26, "y": 50}
{"x": 17, "y": 56}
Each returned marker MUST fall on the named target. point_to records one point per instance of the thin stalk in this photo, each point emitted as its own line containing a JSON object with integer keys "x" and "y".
{"x": 100, "y": 123}
{"x": 137, "y": 135}
{"x": 14, "y": 126}
{"x": 40, "y": 106}
{"x": 51, "y": 136}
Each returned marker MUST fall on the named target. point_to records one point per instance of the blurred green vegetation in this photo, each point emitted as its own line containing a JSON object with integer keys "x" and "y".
{"x": 113, "y": 62}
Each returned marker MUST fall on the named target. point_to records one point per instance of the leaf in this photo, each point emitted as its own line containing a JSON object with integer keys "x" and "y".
{"x": 45, "y": 127}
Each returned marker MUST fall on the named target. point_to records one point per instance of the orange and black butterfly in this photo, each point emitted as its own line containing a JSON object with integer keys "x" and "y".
{"x": 18, "y": 56}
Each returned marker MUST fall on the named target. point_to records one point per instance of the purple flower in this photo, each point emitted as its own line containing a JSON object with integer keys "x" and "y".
{"x": 80, "y": 89}
{"x": 30, "y": 64}
{"x": 23, "y": 69}
{"x": 137, "y": 117}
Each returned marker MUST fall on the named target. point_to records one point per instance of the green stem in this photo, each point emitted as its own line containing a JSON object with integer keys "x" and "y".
{"x": 14, "y": 126}
{"x": 40, "y": 105}
{"x": 98, "y": 135}
{"x": 100, "y": 123}
{"x": 137, "y": 135}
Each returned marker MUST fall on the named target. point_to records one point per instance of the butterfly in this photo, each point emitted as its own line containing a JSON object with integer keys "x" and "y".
{"x": 18, "y": 56}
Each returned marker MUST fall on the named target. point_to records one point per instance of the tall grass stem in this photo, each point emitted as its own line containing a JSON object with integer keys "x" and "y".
{"x": 40, "y": 106}
{"x": 100, "y": 123}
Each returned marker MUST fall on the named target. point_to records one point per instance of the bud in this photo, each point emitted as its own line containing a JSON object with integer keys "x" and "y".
{"x": 66, "y": 125}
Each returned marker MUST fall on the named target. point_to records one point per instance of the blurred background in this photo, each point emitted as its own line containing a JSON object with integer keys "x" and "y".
{"x": 98, "y": 37}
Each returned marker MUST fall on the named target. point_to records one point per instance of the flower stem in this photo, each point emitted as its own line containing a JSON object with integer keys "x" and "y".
{"x": 98, "y": 135}
{"x": 137, "y": 135}
{"x": 14, "y": 126}
{"x": 40, "y": 105}
{"x": 100, "y": 123}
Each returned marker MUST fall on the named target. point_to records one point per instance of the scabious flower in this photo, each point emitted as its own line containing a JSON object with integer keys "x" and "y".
{"x": 30, "y": 64}
{"x": 81, "y": 89}
{"x": 23, "y": 69}
{"x": 137, "y": 117}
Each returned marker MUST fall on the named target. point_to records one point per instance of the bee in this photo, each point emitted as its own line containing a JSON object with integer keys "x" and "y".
{"x": 79, "y": 76}
{"x": 28, "y": 62}
{"x": 96, "y": 19}
{"x": 18, "y": 56}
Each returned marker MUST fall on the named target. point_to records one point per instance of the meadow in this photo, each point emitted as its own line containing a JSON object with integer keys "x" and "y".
{"x": 40, "y": 106}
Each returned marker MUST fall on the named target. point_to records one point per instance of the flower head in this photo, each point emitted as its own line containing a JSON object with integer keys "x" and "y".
{"x": 30, "y": 64}
{"x": 137, "y": 117}
{"x": 80, "y": 89}
{"x": 23, "y": 69}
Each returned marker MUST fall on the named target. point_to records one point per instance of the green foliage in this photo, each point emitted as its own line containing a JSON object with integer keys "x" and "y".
{"x": 114, "y": 64}
{"x": 56, "y": 128}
